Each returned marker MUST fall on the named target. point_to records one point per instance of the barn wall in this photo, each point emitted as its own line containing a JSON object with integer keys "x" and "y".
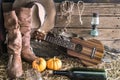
{"x": 109, "y": 27}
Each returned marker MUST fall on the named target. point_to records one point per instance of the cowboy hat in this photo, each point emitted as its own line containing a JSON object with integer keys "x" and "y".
{"x": 38, "y": 11}
{"x": 38, "y": 15}
{"x": 50, "y": 10}
{"x": 22, "y": 3}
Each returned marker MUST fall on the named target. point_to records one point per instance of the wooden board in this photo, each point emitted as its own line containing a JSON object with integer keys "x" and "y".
{"x": 112, "y": 43}
{"x": 93, "y": 1}
{"x": 105, "y": 22}
{"x": 109, "y": 27}
{"x": 104, "y": 34}
{"x": 104, "y": 9}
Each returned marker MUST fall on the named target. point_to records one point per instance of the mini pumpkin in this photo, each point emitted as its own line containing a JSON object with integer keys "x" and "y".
{"x": 54, "y": 64}
{"x": 39, "y": 64}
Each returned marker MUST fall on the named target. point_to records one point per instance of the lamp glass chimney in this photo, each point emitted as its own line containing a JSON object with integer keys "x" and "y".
{"x": 95, "y": 19}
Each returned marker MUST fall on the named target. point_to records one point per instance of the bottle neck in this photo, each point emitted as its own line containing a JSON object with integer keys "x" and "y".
{"x": 64, "y": 73}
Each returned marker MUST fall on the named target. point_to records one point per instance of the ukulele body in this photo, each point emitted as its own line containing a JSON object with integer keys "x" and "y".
{"x": 91, "y": 53}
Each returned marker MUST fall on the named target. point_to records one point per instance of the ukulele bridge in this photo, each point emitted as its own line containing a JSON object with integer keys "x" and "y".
{"x": 93, "y": 53}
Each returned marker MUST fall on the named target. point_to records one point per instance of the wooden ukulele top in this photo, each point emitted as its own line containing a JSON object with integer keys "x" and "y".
{"x": 91, "y": 53}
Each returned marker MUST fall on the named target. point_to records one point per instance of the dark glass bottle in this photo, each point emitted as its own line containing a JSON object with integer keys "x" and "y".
{"x": 83, "y": 74}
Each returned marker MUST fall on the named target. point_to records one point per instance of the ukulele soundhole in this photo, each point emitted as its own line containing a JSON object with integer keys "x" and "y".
{"x": 78, "y": 48}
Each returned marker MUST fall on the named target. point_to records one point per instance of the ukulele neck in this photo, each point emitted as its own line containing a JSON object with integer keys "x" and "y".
{"x": 61, "y": 42}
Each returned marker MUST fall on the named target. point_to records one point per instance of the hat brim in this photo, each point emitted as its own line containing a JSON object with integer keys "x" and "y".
{"x": 38, "y": 15}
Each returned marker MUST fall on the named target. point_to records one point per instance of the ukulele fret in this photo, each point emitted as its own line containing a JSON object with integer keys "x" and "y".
{"x": 55, "y": 41}
{"x": 60, "y": 42}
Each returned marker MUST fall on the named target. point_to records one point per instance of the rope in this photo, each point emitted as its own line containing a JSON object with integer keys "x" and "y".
{"x": 66, "y": 10}
{"x": 80, "y": 3}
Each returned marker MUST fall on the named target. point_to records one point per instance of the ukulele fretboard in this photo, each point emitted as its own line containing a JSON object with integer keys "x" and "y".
{"x": 61, "y": 42}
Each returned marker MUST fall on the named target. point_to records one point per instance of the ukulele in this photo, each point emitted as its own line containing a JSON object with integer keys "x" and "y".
{"x": 90, "y": 52}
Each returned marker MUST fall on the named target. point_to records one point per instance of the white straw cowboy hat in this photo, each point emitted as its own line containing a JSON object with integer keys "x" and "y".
{"x": 38, "y": 11}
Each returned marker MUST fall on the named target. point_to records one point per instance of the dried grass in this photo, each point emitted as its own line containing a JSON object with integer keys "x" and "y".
{"x": 112, "y": 69}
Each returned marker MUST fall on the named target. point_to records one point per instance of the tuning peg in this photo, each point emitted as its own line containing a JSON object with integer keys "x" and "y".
{"x": 39, "y": 41}
{"x": 36, "y": 40}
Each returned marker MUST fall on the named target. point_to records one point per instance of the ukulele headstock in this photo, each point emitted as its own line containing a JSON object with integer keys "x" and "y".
{"x": 38, "y": 35}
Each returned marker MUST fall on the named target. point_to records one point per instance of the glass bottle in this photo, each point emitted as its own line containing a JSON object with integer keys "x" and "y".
{"x": 83, "y": 74}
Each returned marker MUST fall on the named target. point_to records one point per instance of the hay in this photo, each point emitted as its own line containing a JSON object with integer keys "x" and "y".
{"x": 112, "y": 68}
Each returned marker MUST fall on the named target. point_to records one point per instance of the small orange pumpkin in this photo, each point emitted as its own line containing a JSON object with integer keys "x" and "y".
{"x": 54, "y": 64}
{"x": 39, "y": 64}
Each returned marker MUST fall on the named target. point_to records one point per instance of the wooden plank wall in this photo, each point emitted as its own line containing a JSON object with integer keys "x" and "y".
{"x": 93, "y": 1}
{"x": 109, "y": 27}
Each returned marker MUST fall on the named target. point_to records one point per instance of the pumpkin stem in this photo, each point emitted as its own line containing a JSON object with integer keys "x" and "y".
{"x": 54, "y": 62}
{"x": 38, "y": 61}
{"x": 54, "y": 58}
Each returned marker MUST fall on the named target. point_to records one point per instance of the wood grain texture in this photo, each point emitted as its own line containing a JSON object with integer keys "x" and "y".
{"x": 112, "y": 43}
{"x": 105, "y": 22}
{"x": 109, "y": 27}
{"x": 104, "y": 34}
{"x": 104, "y": 9}
{"x": 109, "y": 37}
{"x": 93, "y": 1}
{"x": 85, "y": 54}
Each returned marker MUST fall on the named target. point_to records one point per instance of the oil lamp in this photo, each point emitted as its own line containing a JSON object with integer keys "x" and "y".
{"x": 95, "y": 23}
